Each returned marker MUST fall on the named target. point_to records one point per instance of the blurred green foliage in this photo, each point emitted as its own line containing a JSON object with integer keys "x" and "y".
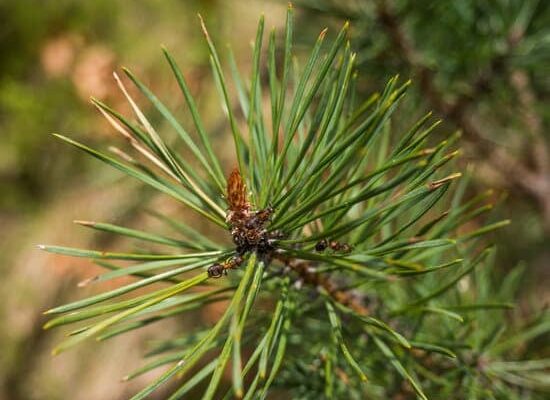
{"x": 30, "y": 105}
{"x": 45, "y": 49}
{"x": 483, "y": 68}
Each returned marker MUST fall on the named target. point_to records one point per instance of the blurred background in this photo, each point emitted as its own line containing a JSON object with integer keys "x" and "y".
{"x": 483, "y": 67}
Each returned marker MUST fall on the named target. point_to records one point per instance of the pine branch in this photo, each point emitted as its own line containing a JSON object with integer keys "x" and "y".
{"x": 326, "y": 201}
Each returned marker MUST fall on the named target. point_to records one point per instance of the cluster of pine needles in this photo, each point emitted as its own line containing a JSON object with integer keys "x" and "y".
{"x": 344, "y": 276}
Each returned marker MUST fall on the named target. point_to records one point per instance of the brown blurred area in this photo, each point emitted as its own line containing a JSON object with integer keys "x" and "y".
{"x": 53, "y": 57}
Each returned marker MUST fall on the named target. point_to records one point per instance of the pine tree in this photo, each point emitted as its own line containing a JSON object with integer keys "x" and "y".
{"x": 347, "y": 273}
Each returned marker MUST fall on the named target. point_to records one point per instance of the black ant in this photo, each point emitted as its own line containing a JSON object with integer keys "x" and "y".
{"x": 334, "y": 245}
{"x": 217, "y": 270}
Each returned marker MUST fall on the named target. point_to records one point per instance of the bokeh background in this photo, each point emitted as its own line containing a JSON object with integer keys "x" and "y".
{"x": 485, "y": 69}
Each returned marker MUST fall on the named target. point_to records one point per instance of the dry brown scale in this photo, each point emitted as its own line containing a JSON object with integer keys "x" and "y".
{"x": 247, "y": 227}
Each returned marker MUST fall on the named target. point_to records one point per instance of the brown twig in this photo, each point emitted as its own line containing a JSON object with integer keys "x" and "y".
{"x": 310, "y": 276}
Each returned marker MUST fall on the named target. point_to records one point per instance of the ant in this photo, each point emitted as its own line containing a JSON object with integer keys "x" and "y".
{"x": 217, "y": 270}
{"x": 334, "y": 245}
